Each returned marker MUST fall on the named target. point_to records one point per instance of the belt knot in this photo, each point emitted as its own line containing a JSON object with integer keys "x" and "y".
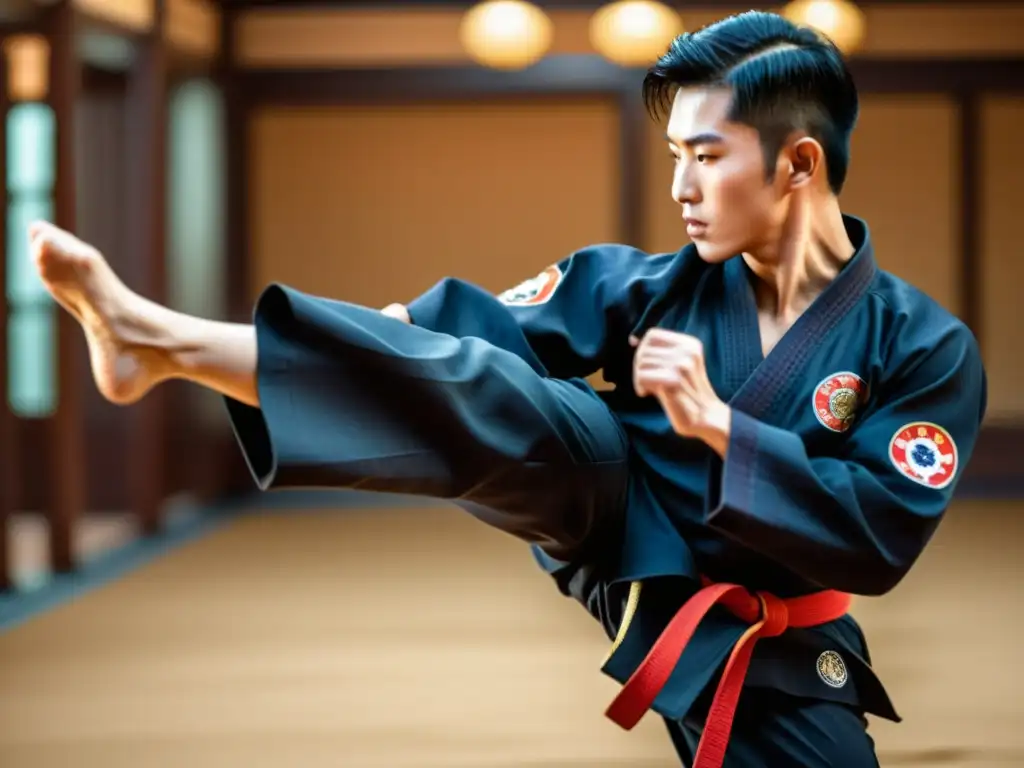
{"x": 774, "y": 613}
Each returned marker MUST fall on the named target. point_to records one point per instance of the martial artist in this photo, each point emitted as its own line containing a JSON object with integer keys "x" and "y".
{"x": 787, "y": 425}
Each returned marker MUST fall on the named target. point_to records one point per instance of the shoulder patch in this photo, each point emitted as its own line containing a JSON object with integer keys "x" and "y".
{"x": 536, "y": 290}
{"x": 925, "y": 453}
{"x": 838, "y": 398}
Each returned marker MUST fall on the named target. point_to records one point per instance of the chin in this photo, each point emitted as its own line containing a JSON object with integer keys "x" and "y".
{"x": 714, "y": 253}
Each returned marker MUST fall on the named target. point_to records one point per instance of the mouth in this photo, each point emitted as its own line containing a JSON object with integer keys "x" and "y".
{"x": 695, "y": 227}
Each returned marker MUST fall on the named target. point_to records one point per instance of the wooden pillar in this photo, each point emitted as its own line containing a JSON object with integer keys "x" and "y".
{"x": 145, "y": 223}
{"x": 8, "y": 473}
{"x": 232, "y": 475}
{"x": 66, "y": 445}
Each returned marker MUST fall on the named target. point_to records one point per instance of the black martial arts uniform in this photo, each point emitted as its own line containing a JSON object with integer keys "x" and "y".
{"x": 846, "y": 445}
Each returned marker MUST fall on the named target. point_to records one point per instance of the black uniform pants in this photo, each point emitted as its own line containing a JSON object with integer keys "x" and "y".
{"x": 350, "y": 398}
{"x": 775, "y": 730}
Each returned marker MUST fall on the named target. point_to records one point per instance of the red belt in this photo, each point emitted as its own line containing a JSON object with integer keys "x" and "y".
{"x": 768, "y": 616}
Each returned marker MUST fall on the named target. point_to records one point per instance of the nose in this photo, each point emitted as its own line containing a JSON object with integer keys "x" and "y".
{"x": 684, "y": 184}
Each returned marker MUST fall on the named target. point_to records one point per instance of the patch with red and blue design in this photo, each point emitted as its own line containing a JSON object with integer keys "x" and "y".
{"x": 925, "y": 453}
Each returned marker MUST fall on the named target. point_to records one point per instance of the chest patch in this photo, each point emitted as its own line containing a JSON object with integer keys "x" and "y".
{"x": 536, "y": 290}
{"x": 925, "y": 453}
{"x": 837, "y": 399}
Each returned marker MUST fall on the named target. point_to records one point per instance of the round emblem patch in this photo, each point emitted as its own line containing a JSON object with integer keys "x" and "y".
{"x": 832, "y": 669}
{"x": 536, "y": 290}
{"x": 837, "y": 398}
{"x": 925, "y": 453}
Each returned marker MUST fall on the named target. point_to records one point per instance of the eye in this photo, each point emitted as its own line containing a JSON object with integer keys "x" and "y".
{"x": 704, "y": 158}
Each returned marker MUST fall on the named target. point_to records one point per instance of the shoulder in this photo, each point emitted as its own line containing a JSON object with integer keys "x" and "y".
{"x": 912, "y": 312}
{"x": 623, "y": 269}
{"x": 618, "y": 260}
{"x": 920, "y": 332}
{"x": 609, "y": 277}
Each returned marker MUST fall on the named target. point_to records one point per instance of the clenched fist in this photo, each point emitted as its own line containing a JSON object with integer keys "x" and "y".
{"x": 670, "y": 366}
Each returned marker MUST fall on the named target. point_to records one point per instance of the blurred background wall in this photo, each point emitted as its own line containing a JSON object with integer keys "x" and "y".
{"x": 363, "y": 151}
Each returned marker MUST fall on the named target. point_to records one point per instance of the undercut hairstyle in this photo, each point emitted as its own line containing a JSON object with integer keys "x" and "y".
{"x": 783, "y": 78}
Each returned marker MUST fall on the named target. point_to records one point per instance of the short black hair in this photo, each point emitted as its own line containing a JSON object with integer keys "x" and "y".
{"x": 784, "y": 77}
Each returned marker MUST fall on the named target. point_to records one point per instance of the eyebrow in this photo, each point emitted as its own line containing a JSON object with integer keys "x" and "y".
{"x": 709, "y": 137}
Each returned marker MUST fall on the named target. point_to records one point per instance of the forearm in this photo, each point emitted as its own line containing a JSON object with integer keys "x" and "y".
{"x": 833, "y": 522}
{"x": 717, "y": 429}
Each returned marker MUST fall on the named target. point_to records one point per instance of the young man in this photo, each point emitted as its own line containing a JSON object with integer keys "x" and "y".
{"x": 788, "y": 422}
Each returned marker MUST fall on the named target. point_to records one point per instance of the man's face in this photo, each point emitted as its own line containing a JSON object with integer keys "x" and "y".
{"x": 727, "y": 202}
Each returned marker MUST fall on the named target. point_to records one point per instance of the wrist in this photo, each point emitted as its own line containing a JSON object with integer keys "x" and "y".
{"x": 716, "y": 428}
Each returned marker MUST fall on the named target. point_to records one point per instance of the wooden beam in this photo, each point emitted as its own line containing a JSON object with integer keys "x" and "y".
{"x": 145, "y": 232}
{"x": 8, "y": 452}
{"x": 728, "y": 5}
{"x": 954, "y": 76}
{"x": 560, "y": 76}
{"x": 97, "y": 81}
{"x": 66, "y": 449}
{"x": 555, "y": 76}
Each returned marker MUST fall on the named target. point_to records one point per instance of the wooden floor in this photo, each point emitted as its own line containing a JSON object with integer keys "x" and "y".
{"x": 416, "y": 637}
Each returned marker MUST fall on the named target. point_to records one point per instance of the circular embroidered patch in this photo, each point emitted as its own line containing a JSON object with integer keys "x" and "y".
{"x": 536, "y": 290}
{"x": 837, "y": 398}
{"x": 925, "y": 453}
{"x": 832, "y": 669}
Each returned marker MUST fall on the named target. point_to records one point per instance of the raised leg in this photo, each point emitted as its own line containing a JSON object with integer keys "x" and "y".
{"x": 350, "y": 398}
{"x": 329, "y": 394}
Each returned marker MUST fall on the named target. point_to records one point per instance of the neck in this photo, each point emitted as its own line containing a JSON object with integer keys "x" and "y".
{"x": 811, "y": 250}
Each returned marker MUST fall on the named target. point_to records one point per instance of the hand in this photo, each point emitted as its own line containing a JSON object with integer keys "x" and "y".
{"x": 397, "y": 311}
{"x": 670, "y": 366}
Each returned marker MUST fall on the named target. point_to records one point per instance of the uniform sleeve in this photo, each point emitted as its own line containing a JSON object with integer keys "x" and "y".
{"x": 857, "y": 522}
{"x": 567, "y": 314}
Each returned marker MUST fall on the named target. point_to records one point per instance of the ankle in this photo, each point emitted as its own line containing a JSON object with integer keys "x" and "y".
{"x": 148, "y": 331}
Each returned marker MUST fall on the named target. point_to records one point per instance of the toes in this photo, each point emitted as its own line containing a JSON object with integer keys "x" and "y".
{"x": 39, "y": 254}
{"x": 37, "y": 230}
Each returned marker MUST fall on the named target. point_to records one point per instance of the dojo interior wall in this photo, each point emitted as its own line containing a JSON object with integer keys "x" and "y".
{"x": 1002, "y": 267}
{"x": 374, "y": 204}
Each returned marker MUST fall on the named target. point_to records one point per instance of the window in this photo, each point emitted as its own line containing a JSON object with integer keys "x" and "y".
{"x": 195, "y": 217}
{"x": 31, "y": 328}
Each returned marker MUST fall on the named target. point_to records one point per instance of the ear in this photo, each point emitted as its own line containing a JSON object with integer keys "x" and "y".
{"x": 806, "y": 159}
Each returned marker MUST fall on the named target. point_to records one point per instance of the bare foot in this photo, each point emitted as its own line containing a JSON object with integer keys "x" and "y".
{"x": 124, "y": 365}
